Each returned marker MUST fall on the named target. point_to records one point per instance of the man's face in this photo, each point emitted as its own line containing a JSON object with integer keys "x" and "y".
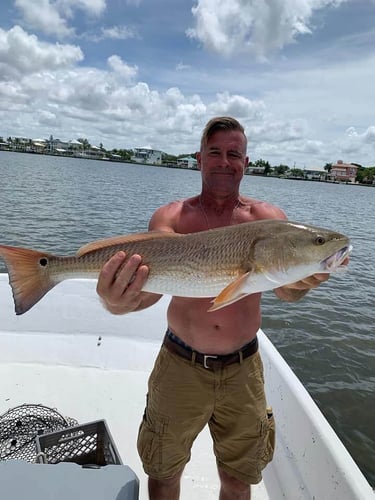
{"x": 222, "y": 161}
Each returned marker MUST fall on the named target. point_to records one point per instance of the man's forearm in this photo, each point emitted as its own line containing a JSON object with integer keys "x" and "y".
{"x": 148, "y": 299}
{"x": 295, "y": 291}
{"x": 290, "y": 294}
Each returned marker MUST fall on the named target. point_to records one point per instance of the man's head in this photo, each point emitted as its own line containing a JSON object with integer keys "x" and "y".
{"x": 222, "y": 158}
{"x": 222, "y": 123}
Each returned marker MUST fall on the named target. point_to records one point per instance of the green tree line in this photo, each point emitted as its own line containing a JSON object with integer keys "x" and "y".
{"x": 365, "y": 175}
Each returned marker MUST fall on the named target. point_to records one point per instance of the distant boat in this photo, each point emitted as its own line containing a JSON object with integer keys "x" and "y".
{"x": 69, "y": 354}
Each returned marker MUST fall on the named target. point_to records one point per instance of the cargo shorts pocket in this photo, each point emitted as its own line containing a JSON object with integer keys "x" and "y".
{"x": 150, "y": 442}
{"x": 268, "y": 443}
{"x": 160, "y": 370}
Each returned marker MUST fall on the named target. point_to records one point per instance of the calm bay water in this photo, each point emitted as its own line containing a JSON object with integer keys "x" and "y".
{"x": 328, "y": 338}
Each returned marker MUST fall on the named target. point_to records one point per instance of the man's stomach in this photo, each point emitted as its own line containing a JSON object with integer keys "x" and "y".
{"x": 217, "y": 332}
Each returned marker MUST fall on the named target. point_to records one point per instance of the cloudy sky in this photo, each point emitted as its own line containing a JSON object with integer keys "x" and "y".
{"x": 299, "y": 74}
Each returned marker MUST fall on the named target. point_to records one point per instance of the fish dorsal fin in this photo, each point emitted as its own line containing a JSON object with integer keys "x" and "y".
{"x": 231, "y": 293}
{"x": 121, "y": 240}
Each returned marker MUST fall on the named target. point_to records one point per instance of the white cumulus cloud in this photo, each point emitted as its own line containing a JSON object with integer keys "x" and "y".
{"x": 238, "y": 106}
{"x": 369, "y": 135}
{"x": 119, "y": 33}
{"x": 51, "y": 17}
{"x": 253, "y": 26}
{"x": 21, "y": 53}
{"x": 43, "y": 16}
{"x": 122, "y": 69}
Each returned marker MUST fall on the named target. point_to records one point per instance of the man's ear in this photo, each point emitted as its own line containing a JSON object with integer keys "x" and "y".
{"x": 246, "y": 164}
{"x": 198, "y": 156}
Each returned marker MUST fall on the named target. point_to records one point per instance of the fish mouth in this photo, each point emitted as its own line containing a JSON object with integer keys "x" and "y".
{"x": 335, "y": 260}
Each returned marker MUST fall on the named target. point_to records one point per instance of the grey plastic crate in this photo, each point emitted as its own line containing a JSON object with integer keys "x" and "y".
{"x": 89, "y": 444}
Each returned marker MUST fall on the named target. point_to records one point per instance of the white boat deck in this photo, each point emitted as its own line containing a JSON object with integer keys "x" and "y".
{"x": 117, "y": 396}
{"x": 69, "y": 354}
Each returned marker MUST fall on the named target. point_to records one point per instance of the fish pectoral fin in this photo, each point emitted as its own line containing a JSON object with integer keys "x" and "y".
{"x": 231, "y": 293}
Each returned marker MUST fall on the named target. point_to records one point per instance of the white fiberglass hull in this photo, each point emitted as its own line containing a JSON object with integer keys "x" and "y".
{"x": 68, "y": 353}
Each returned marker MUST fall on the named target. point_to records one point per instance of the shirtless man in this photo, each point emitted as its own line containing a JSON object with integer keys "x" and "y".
{"x": 208, "y": 370}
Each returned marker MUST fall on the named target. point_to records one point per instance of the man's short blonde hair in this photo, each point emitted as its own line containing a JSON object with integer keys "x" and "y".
{"x": 220, "y": 123}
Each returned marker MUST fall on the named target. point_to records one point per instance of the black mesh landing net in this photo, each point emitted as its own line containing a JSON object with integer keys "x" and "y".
{"x": 20, "y": 425}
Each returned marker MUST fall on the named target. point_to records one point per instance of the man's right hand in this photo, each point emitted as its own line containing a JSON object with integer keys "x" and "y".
{"x": 120, "y": 285}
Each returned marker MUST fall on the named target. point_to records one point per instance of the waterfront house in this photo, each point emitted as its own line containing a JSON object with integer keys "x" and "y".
{"x": 343, "y": 172}
{"x": 187, "y": 162}
{"x": 75, "y": 146}
{"x": 92, "y": 152}
{"x": 56, "y": 146}
{"x": 37, "y": 146}
{"x": 255, "y": 170}
{"x": 147, "y": 156}
{"x": 19, "y": 143}
{"x": 315, "y": 175}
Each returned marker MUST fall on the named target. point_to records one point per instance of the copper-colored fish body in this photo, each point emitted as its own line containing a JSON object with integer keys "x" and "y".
{"x": 227, "y": 263}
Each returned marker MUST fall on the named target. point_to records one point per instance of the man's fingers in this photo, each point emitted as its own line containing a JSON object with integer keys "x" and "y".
{"x": 120, "y": 282}
{"x": 310, "y": 282}
{"x": 126, "y": 274}
{"x": 136, "y": 284}
{"x": 109, "y": 270}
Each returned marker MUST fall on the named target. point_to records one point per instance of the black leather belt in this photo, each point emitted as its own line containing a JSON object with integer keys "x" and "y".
{"x": 209, "y": 361}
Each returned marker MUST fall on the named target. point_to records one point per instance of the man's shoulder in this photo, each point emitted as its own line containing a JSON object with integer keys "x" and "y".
{"x": 259, "y": 209}
{"x": 167, "y": 216}
{"x": 174, "y": 206}
{"x": 171, "y": 205}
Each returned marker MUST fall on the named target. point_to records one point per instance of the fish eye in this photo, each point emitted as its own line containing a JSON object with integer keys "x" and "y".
{"x": 43, "y": 261}
{"x": 320, "y": 240}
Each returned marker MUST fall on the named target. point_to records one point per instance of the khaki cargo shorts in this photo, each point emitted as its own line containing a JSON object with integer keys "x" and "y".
{"x": 183, "y": 397}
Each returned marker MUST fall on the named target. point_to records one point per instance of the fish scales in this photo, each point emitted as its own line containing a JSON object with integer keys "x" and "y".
{"x": 188, "y": 264}
{"x": 227, "y": 263}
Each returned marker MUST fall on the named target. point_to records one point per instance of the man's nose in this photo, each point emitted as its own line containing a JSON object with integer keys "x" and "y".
{"x": 224, "y": 160}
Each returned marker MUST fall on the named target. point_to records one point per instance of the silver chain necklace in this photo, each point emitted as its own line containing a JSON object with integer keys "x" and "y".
{"x": 205, "y": 213}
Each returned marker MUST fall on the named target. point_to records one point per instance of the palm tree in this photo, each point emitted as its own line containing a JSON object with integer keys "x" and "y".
{"x": 328, "y": 167}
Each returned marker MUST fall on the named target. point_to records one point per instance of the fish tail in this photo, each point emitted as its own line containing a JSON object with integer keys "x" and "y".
{"x": 29, "y": 275}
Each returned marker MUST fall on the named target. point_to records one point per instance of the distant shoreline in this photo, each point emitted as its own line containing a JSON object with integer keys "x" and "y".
{"x": 179, "y": 167}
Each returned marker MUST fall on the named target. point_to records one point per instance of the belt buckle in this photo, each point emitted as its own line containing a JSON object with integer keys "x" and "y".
{"x": 205, "y": 358}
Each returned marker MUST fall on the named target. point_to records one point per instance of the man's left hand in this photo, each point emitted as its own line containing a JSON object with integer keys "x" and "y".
{"x": 297, "y": 290}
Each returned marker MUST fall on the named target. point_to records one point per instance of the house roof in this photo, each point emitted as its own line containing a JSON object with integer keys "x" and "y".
{"x": 186, "y": 158}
